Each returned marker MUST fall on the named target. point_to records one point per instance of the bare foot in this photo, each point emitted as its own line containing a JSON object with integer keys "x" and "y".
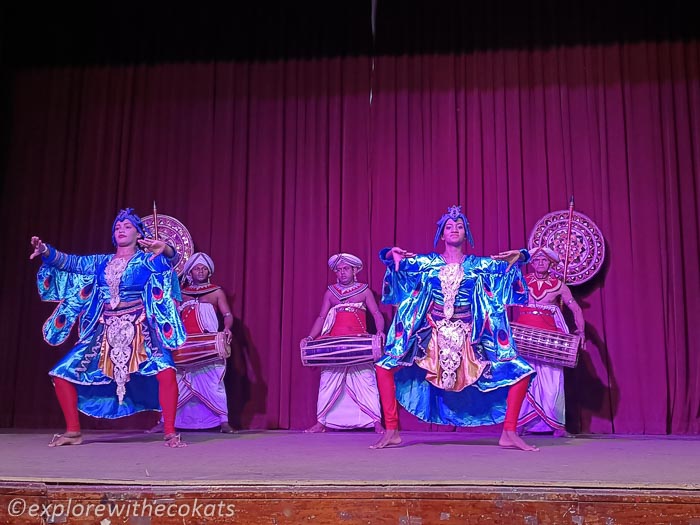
{"x": 378, "y": 428}
{"x": 174, "y": 441}
{"x": 390, "y": 438}
{"x": 318, "y": 427}
{"x": 69, "y": 438}
{"x": 156, "y": 429}
{"x": 511, "y": 439}
{"x": 226, "y": 428}
{"x": 559, "y": 433}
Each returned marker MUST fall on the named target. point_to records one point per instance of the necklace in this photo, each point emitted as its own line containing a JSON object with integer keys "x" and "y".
{"x": 344, "y": 292}
{"x": 113, "y": 276}
{"x": 450, "y": 278}
{"x": 198, "y": 286}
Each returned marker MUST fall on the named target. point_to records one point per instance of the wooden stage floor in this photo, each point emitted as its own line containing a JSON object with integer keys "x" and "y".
{"x": 334, "y": 478}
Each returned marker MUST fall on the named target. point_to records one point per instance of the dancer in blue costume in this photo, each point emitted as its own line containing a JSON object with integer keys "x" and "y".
{"x": 128, "y": 322}
{"x": 450, "y": 357}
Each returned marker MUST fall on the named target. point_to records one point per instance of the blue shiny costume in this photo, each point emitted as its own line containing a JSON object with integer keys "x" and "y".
{"x": 484, "y": 291}
{"x": 78, "y": 284}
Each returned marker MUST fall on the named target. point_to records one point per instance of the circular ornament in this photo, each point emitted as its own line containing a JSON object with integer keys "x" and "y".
{"x": 174, "y": 233}
{"x": 586, "y": 247}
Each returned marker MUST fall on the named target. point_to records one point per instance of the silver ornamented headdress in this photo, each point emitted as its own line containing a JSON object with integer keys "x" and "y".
{"x": 454, "y": 213}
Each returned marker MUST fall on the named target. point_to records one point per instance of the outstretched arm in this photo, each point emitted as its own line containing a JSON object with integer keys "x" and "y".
{"x": 81, "y": 264}
{"x": 318, "y": 323}
{"x": 512, "y": 257}
{"x": 156, "y": 247}
{"x": 397, "y": 255}
{"x": 404, "y": 271}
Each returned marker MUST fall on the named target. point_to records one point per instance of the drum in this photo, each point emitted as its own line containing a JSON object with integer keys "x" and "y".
{"x": 341, "y": 351}
{"x": 202, "y": 349}
{"x": 546, "y": 346}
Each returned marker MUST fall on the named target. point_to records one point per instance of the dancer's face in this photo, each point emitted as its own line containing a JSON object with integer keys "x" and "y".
{"x": 126, "y": 233}
{"x": 454, "y": 232}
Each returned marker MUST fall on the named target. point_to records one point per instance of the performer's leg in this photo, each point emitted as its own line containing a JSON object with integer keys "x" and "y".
{"x": 181, "y": 393}
{"x": 167, "y": 395}
{"x": 387, "y": 397}
{"x": 509, "y": 437}
{"x": 390, "y": 408}
{"x": 221, "y": 401}
{"x": 330, "y": 387}
{"x": 361, "y": 387}
{"x": 226, "y": 427}
{"x": 68, "y": 399}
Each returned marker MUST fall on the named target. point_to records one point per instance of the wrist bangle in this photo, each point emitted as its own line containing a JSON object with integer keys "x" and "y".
{"x": 45, "y": 250}
{"x": 227, "y": 314}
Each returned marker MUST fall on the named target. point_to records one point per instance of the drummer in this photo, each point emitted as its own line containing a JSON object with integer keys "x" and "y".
{"x": 202, "y": 400}
{"x": 347, "y": 396}
{"x": 543, "y": 407}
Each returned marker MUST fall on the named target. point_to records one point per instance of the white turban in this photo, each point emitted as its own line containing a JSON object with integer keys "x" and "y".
{"x": 198, "y": 258}
{"x": 546, "y": 252}
{"x": 352, "y": 261}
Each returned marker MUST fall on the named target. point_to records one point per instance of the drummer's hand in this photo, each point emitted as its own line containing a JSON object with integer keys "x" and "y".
{"x": 510, "y": 256}
{"x": 582, "y": 335}
{"x": 382, "y": 336}
{"x": 228, "y": 335}
{"x": 308, "y": 338}
{"x": 399, "y": 253}
{"x": 39, "y": 247}
{"x": 155, "y": 246}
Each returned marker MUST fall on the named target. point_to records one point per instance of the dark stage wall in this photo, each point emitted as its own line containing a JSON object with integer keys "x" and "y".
{"x": 275, "y": 165}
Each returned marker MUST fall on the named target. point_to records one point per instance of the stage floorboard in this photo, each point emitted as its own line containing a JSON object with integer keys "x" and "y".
{"x": 334, "y": 477}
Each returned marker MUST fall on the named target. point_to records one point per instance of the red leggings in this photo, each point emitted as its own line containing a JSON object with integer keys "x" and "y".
{"x": 167, "y": 395}
{"x": 390, "y": 407}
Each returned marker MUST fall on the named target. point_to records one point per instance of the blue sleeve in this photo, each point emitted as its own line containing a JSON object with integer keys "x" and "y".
{"x": 82, "y": 264}
{"x": 398, "y": 285}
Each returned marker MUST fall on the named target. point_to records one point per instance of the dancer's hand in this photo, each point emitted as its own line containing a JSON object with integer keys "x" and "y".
{"x": 510, "y": 256}
{"x": 155, "y": 246}
{"x": 399, "y": 253}
{"x": 39, "y": 247}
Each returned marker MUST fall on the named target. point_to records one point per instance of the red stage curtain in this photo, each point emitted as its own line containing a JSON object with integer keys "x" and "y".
{"x": 273, "y": 166}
